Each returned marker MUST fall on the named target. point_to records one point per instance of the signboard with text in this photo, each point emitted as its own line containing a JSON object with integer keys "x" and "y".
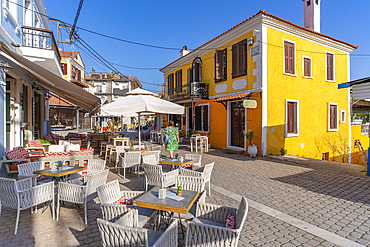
{"x": 247, "y": 103}
{"x": 255, "y": 50}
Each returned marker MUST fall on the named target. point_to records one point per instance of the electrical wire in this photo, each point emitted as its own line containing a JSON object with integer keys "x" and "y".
{"x": 76, "y": 18}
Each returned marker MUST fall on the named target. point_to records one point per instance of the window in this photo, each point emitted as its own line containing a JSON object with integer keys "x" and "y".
{"x": 291, "y": 118}
{"x": 99, "y": 88}
{"x": 200, "y": 118}
{"x": 220, "y": 65}
{"x": 239, "y": 59}
{"x": 178, "y": 77}
{"x": 307, "y": 67}
{"x": 329, "y": 66}
{"x": 176, "y": 119}
{"x": 332, "y": 117}
{"x": 289, "y": 58}
{"x": 170, "y": 83}
{"x": 64, "y": 68}
{"x": 197, "y": 70}
{"x": 342, "y": 116}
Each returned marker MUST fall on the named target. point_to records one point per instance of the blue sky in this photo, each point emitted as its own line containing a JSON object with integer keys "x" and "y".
{"x": 192, "y": 23}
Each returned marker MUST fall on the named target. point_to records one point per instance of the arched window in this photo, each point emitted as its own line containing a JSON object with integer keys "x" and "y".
{"x": 197, "y": 70}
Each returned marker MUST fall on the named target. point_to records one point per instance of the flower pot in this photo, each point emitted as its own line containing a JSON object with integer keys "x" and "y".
{"x": 252, "y": 151}
{"x": 179, "y": 192}
{"x": 209, "y": 145}
{"x": 181, "y": 139}
{"x": 59, "y": 168}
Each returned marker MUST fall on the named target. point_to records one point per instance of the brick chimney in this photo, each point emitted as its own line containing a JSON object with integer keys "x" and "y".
{"x": 312, "y": 14}
{"x": 184, "y": 51}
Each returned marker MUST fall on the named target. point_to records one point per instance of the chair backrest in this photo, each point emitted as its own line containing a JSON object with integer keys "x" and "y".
{"x": 208, "y": 170}
{"x": 34, "y": 143}
{"x": 241, "y": 214}
{"x": 8, "y": 193}
{"x": 94, "y": 180}
{"x": 56, "y": 148}
{"x": 27, "y": 169}
{"x": 132, "y": 158}
{"x": 149, "y": 159}
{"x": 113, "y": 212}
{"x": 72, "y": 147}
{"x": 157, "y": 154}
{"x": 109, "y": 192}
{"x": 196, "y": 157}
{"x": 153, "y": 174}
{"x": 191, "y": 183}
{"x": 95, "y": 165}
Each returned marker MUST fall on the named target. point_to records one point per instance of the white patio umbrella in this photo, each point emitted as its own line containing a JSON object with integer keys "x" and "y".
{"x": 140, "y": 101}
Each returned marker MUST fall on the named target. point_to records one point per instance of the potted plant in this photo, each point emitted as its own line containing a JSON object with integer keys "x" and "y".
{"x": 189, "y": 133}
{"x": 177, "y": 155}
{"x": 252, "y": 149}
{"x": 59, "y": 165}
{"x": 179, "y": 190}
{"x": 182, "y": 135}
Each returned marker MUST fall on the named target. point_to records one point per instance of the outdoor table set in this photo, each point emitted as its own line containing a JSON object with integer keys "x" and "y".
{"x": 60, "y": 174}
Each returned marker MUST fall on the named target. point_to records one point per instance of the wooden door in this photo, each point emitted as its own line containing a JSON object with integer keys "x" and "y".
{"x": 237, "y": 124}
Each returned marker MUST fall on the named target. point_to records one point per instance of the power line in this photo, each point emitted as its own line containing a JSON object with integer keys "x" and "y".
{"x": 76, "y": 18}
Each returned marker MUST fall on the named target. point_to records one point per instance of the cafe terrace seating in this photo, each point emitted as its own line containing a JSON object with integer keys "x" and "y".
{"x": 81, "y": 194}
{"x": 156, "y": 177}
{"x": 197, "y": 160}
{"x": 22, "y": 195}
{"x": 109, "y": 196}
{"x": 206, "y": 174}
{"x": 126, "y": 232}
{"x": 209, "y": 225}
{"x": 129, "y": 160}
{"x": 26, "y": 171}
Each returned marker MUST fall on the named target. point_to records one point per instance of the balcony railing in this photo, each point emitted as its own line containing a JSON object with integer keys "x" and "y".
{"x": 39, "y": 38}
{"x": 194, "y": 89}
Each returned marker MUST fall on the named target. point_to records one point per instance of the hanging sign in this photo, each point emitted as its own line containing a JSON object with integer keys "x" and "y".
{"x": 247, "y": 103}
{"x": 255, "y": 50}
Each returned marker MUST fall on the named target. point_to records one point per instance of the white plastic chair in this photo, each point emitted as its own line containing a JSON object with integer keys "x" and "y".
{"x": 206, "y": 174}
{"x": 125, "y": 232}
{"x": 22, "y": 195}
{"x": 81, "y": 194}
{"x": 156, "y": 177}
{"x": 131, "y": 159}
{"x": 110, "y": 193}
{"x": 209, "y": 225}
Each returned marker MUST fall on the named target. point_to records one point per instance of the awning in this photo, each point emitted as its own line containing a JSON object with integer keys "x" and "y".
{"x": 231, "y": 97}
{"x": 67, "y": 90}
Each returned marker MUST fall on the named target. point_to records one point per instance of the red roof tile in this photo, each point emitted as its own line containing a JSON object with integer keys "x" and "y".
{"x": 262, "y": 11}
{"x": 59, "y": 101}
{"x": 231, "y": 97}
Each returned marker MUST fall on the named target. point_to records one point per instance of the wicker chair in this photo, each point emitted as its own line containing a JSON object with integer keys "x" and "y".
{"x": 119, "y": 150}
{"x": 110, "y": 193}
{"x": 26, "y": 171}
{"x": 22, "y": 195}
{"x": 206, "y": 174}
{"x": 156, "y": 177}
{"x": 125, "y": 232}
{"x": 81, "y": 194}
{"x": 157, "y": 154}
{"x": 209, "y": 228}
{"x": 95, "y": 165}
{"x": 197, "y": 160}
{"x": 130, "y": 160}
{"x": 192, "y": 184}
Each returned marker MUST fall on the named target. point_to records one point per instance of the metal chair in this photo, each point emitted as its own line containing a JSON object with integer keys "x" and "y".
{"x": 125, "y": 232}
{"x": 156, "y": 177}
{"x": 110, "y": 193}
{"x": 128, "y": 161}
{"x": 209, "y": 225}
{"x": 206, "y": 174}
{"x": 22, "y": 195}
{"x": 81, "y": 194}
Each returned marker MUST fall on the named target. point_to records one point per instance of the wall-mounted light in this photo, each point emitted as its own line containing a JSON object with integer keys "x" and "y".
{"x": 250, "y": 41}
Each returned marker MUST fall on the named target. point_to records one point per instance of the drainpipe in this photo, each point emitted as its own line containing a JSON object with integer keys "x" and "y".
{"x": 78, "y": 121}
{"x": 192, "y": 114}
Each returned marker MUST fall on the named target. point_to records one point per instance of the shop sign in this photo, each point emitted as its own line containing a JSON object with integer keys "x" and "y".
{"x": 255, "y": 51}
{"x": 247, "y": 103}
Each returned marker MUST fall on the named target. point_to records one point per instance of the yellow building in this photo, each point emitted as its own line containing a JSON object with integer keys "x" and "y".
{"x": 290, "y": 72}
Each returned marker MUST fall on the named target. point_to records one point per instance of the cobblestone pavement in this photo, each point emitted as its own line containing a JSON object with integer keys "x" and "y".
{"x": 326, "y": 198}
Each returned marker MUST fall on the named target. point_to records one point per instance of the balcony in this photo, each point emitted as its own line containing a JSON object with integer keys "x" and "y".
{"x": 39, "y": 46}
{"x": 185, "y": 93}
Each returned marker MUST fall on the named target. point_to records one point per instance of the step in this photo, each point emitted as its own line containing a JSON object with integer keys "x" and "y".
{"x": 233, "y": 151}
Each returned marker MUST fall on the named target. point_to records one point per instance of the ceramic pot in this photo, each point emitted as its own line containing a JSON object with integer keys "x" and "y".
{"x": 181, "y": 139}
{"x": 252, "y": 151}
{"x": 59, "y": 168}
{"x": 179, "y": 192}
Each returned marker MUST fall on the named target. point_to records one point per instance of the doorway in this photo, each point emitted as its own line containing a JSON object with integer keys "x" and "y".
{"x": 237, "y": 124}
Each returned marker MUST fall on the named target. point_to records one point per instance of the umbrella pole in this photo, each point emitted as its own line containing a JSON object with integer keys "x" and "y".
{"x": 139, "y": 132}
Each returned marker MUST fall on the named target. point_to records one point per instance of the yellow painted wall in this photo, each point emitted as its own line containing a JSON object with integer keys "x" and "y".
{"x": 364, "y": 139}
{"x": 313, "y": 95}
{"x": 63, "y": 62}
{"x": 217, "y": 112}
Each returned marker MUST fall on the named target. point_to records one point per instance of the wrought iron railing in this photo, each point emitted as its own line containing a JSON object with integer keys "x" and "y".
{"x": 39, "y": 38}
{"x": 195, "y": 89}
